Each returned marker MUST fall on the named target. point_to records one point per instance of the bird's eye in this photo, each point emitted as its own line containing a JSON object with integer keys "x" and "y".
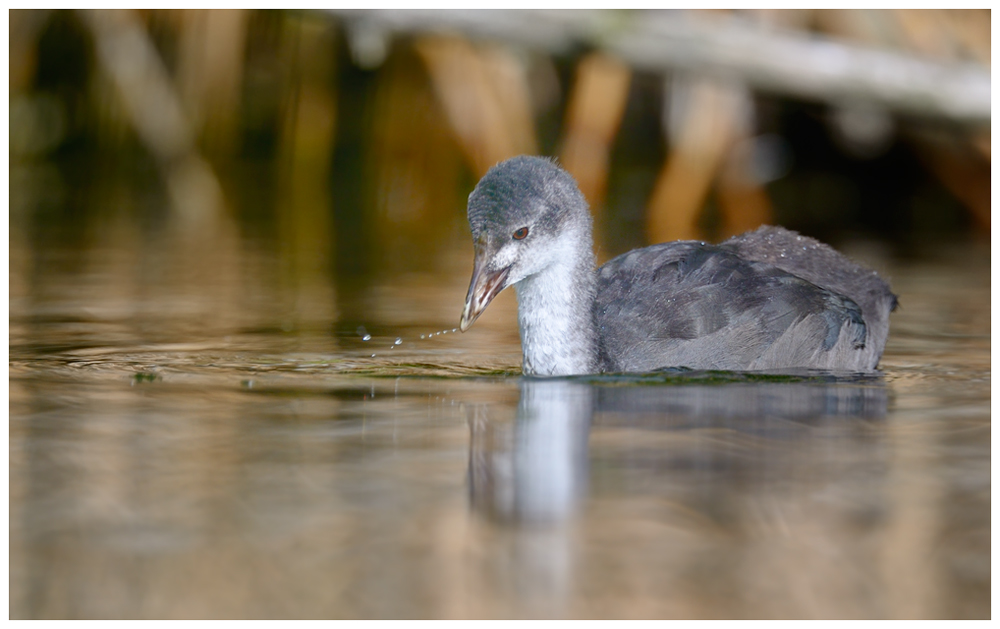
{"x": 521, "y": 234}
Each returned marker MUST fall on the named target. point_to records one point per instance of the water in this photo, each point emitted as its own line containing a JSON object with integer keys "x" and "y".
{"x": 187, "y": 444}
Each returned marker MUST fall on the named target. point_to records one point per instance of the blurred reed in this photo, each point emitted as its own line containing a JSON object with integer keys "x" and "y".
{"x": 367, "y": 129}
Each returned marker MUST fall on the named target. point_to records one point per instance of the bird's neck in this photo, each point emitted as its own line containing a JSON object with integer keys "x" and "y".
{"x": 554, "y": 315}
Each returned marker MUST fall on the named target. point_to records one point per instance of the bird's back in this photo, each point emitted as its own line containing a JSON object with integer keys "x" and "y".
{"x": 769, "y": 299}
{"x": 824, "y": 266}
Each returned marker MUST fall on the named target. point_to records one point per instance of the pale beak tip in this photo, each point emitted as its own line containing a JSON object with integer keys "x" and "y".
{"x": 465, "y": 322}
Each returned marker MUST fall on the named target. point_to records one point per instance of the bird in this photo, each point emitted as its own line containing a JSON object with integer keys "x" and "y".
{"x": 769, "y": 300}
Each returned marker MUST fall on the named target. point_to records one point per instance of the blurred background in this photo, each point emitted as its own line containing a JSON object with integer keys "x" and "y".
{"x": 316, "y": 151}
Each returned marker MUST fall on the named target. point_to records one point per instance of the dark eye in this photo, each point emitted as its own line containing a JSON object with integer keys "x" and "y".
{"x": 521, "y": 234}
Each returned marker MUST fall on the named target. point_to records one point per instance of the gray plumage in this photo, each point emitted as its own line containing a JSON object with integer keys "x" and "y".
{"x": 769, "y": 299}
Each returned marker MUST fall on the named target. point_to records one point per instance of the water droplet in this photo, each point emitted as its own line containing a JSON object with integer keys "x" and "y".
{"x": 373, "y": 355}
{"x": 444, "y": 331}
{"x": 454, "y": 329}
{"x": 398, "y": 341}
{"x": 366, "y": 337}
{"x": 423, "y": 336}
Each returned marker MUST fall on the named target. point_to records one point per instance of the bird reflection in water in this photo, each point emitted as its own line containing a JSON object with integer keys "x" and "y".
{"x": 535, "y": 470}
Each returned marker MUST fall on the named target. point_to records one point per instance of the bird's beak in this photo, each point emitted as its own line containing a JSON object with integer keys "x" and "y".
{"x": 485, "y": 285}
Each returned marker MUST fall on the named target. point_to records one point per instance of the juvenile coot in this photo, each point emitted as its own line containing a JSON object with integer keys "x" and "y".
{"x": 769, "y": 299}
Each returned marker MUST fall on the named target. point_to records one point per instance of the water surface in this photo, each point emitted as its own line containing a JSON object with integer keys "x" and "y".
{"x": 230, "y": 448}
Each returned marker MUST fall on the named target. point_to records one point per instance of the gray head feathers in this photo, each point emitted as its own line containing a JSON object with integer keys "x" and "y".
{"x": 523, "y": 191}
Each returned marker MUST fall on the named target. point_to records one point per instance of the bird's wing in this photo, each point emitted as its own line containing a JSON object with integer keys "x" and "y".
{"x": 703, "y": 306}
{"x": 823, "y": 266}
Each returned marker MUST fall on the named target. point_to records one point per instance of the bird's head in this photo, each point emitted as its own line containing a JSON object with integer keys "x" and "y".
{"x": 524, "y": 214}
